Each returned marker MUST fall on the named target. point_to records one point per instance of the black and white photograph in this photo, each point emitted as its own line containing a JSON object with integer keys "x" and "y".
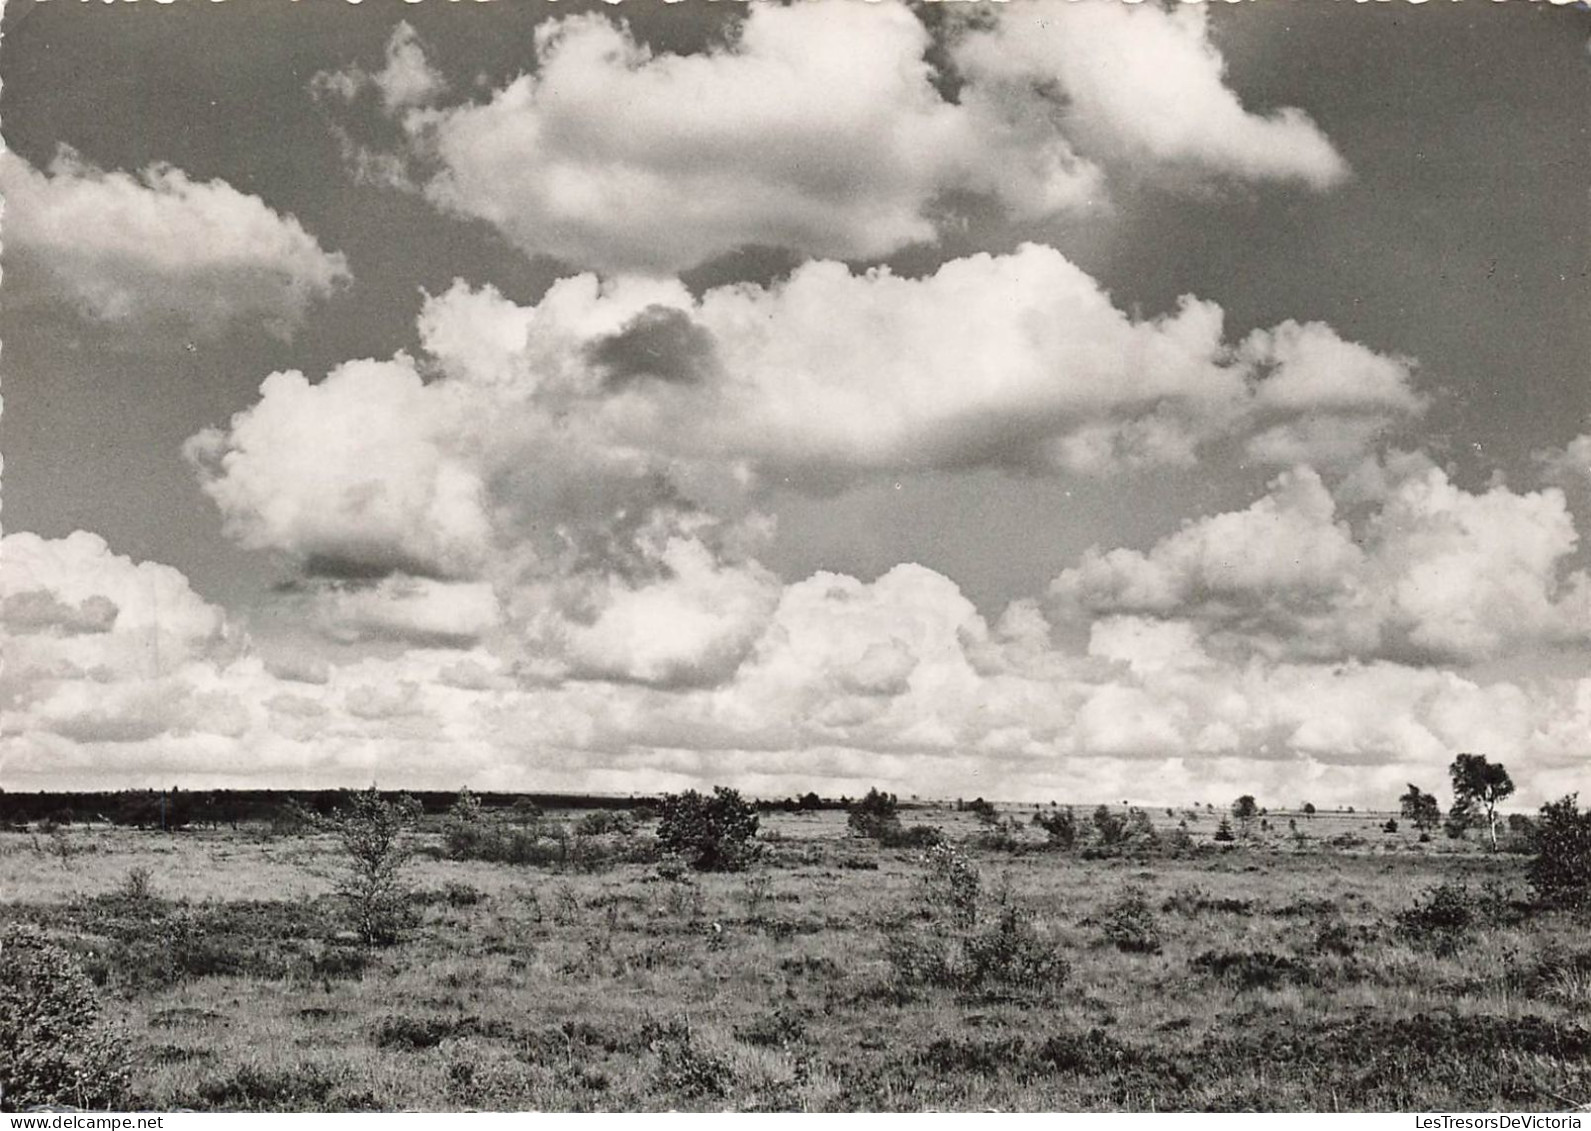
{"x": 811, "y": 556}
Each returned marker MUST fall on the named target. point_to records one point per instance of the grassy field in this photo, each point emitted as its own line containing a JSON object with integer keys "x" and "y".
{"x": 1285, "y": 973}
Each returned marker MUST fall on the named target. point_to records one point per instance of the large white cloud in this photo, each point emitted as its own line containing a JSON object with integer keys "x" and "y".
{"x": 580, "y": 471}
{"x": 159, "y": 247}
{"x": 1017, "y": 360}
{"x": 1432, "y": 574}
{"x": 823, "y": 128}
{"x": 1144, "y": 82}
{"x": 898, "y": 681}
{"x": 359, "y": 475}
{"x": 98, "y": 647}
{"x": 818, "y": 128}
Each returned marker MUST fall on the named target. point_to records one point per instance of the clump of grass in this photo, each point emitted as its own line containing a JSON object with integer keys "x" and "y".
{"x": 1251, "y": 970}
{"x": 780, "y": 1028}
{"x": 305, "y": 1086}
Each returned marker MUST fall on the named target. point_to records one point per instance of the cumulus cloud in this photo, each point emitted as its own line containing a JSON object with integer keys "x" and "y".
{"x": 406, "y": 80}
{"x": 691, "y": 624}
{"x": 1432, "y": 574}
{"x": 159, "y": 247}
{"x": 357, "y": 476}
{"x": 100, "y": 648}
{"x": 1016, "y": 360}
{"x": 1568, "y": 466}
{"x": 816, "y": 128}
{"x": 823, "y": 128}
{"x": 580, "y": 473}
{"x": 1144, "y": 83}
{"x": 897, "y": 681}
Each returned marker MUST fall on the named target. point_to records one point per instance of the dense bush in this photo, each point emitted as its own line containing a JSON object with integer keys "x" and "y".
{"x": 1009, "y": 954}
{"x": 979, "y": 808}
{"x": 1110, "y": 827}
{"x": 1059, "y": 825}
{"x": 1129, "y": 923}
{"x": 606, "y": 822}
{"x": 1560, "y": 874}
{"x": 1003, "y": 957}
{"x": 914, "y": 836}
{"x": 1439, "y": 921}
{"x": 712, "y": 834}
{"x": 875, "y": 816}
{"x": 55, "y": 1047}
{"x": 471, "y": 833}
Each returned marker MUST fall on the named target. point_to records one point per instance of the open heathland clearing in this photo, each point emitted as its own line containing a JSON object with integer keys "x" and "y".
{"x": 1315, "y": 962}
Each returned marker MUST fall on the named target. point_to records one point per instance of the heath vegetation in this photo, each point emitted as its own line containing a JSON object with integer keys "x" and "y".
{"x": 705, "y": 951}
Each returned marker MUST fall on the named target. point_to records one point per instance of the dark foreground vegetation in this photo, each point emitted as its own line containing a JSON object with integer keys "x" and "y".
{"x": 695, "y": 952}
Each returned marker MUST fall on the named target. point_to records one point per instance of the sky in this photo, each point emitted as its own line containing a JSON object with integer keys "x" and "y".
{"x": 1085, "y": 401}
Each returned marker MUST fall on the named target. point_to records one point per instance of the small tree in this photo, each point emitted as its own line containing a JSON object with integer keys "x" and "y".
{"x": 1309, "y": 810}
{"x": 1420, "y": 809}
{"x": 371, "y": 832}
{"x": 875, "y": 816}
{"x": 1223, "y": 832}
{"x": 713, "y": 834}
{"x": 1560, "y": 874}
{"x": 1245, "y": 810}
{"x": 1478, "y": 783}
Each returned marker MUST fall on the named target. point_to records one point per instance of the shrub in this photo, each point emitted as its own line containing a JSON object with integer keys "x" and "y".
{"x": 1060, "y": 826}
{"x": 471, "y": 833}
{"x": 682, "y": 1065}
{"x": 713, "y": 834}
{"x": 952, "y": 882}
{"x": 370, "y": 831}
{"x": 1130, "y": 924}
{"x": 1560, "y": 874}
{"x": 1440, "y": 921}
{"x": 917, "y": 836}
{"x": 457, "y": 894}
{"x": 1178, "y": 841}
{"x": 606, "y": 822}
{"x": 55, "y": 1047}
{"x": 1009, "y": 954}
{"x": 1110, "y": 828}
{"x": 137, "y": 885}
{"x": 1139, "y": 833}
{"x": 978, "y": 807}
{"x": 875, "y": 816}
{"x": 1005, "y": 956}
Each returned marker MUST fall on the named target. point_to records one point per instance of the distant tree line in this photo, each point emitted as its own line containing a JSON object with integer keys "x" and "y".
{"x": 177, "y": 808}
